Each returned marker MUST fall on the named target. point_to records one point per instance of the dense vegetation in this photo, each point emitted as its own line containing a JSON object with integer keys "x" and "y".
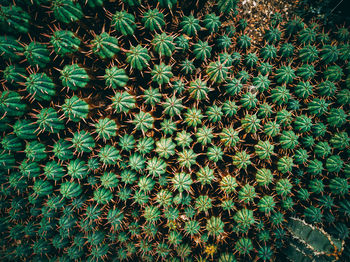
{"x": 160, "y": 130}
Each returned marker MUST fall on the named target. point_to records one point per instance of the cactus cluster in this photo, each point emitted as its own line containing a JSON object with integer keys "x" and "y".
{"x": 160, "y": 130}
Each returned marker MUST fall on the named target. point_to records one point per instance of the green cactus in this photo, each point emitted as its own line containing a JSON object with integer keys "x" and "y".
{"x": 116, "y": 77}
{"x": 172, "y": 130}
{"x": 10, "y": 48}
{"x": 11, "y": 104}
{"x": 190, "y": 25}
{"x": 65, "y": 42}
{"x": 161, "y": 74}
{"x": 153, "y": 20}
{"x": 124, "y": 22}
{"x": 75, "y": 109}
{"x": 25, "y": 129}
{"x": 212, "y": 23}
{"x": 106, "y": 128}
{"x": 227, "y": 6}
{"x": 66, "y": 11}
{"x": 83, "y": 142}
{"x": 310, "y": 242}
{"x": 37, "y": 54}
{"x": 14, "y": 19}
{"x": 138, "y": 57}
{"x": 48, "y": 120}
{"x": 62, "y": 150}
{"x": 202, "y": 50}
{"x": 74, "y": 77}
{"x": 35, "y": 151}
{"x": 217, "y": 71}
{"x": 163, "y": 44}
{"x": 11, "y": 143}
{"x": 105, "y": 46}
{"x": 40, "y": 86}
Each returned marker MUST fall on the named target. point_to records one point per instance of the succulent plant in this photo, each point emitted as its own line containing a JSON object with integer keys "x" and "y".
{"x": 48, "y": 120}
{"x": 65, "y": 42}
{"x": 227, "y": 6}
{"x": 168, "y": 130}
{"x": 11, "y": 104}
{"x": 153, "y": 19}
{"x": 163, "y": 44}
{"x": 40, "y": 86}
{"x": 161, "y": 74}
{"x": 310, "y": 240}
{"x": 74, "y": 77}
{"x": 190, "y": 25}
{"x": 14, "y": 19}
{"x": 37, "y": 54}
{"x": 10, "y": 47}
{"x": 105, "y": 46}
{"x": 124, "y": 22}
{"x": 66, "y": 11}
{"x": 116, "y": 77}
{"x": 75, "y": 108}
{"x": 138, "y": 57}
{"x": 202, "y": 50}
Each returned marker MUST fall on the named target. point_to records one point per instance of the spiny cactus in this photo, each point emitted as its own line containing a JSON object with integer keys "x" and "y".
{"x": 311, "y": 243}
{"x": 105, "y": 45}
{"x": 64, "y": 42}
{"x": 14, "y": 19}
{"x": 37, "y": 54}
{"x": 11, "y": 104}
{"x": 40, "y": 86}
{"x": 66, "y": 11}
{"x": 168, "y": 130}
{"x": 74, "y": 77}
{"x": 124, "y": 22}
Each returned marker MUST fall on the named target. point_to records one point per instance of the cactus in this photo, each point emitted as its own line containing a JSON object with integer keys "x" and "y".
{"x": 37, "y": 54}
{"x": 66, "y": 11}
{"x": 123, "y": 102}
{"x": 106, "y": 128}
{"x": 163, "y": 44}
{"x": 124, "y": 22}
{"x": 11, "y": 143}
{"x": 138, "y": 57}
{"x": 170, "y": 130}
{"x": 35, "y": 151}
{"x": 312, "y": 243}
{"x": 74, "y": 77}
{"x": 161, "y": 74}
{"x": 25, "y": 129}
{"x": 105, "y": 46}
{"x": 83, "y": 142}
{"x": 62, "y": 150}
{"x": 48, "y": 120}
{"x": 11, "y": 105}
{"x": 212, "y": 23}
{"x": 217, "y": 71}
{"x": 15, "y": 74}
{"x": 14, "y": 19}
{"x": 190, "y": 25}
{"x": 167, "y": 3}
{"x": 64, "y": 42}
{"x": 202, "y": 50}
{"x": 227, "y": 6}
{"x": 116, "y": 77}
{"x": 10, "y": 48}
{"x": 75, "y": 108}
{"x": 153, "y": 20}
{"x": 40, "y": 86}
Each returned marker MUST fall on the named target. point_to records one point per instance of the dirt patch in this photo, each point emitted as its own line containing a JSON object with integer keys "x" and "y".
{"x": 258, "y": 14}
